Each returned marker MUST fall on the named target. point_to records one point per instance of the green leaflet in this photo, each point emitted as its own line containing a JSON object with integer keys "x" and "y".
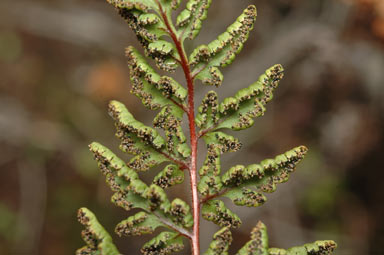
{"x": 126, "y": 122}
{"x": 165, "y": 243}
{"x": 218, "y": 213}
{"x": 209, "y": 185}
{"x": 137, "y": 139}
{"x": 131, "y": 192}
{"x": 155, "y": 91}
{"x": 212, "y": 162}
{"x": 123, "y": 181}
{"x": 181, "y": 213}
{"x": 222, "y": 141}
{"x": 190, "y": 19}
{"x": 157, "y": 198}
{"x": 266, "y": 174}
{"x": 258, "y": 245}
{"x": 142, "y": 5}
{"x": 165, "y": 55}
{"x": 263, "y": 177}
{"x": 217, "y": 144}
{"x": 259, "y": 242}
{"x": 150, "y": 28}
{"x": 95, "y": 236}
{"x": 221, "y": 52}
{"x": 246, "y": 197}
{"x": 169, "y": 119}
{"x": 208, "y": 112}
{"x": 237, "y": 112}
{"x": 170, "y": 176}
{"x": 221, "y": 242}
{"x": 138, "y": 224}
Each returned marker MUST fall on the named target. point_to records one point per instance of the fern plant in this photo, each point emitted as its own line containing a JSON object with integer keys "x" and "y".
{"x": 163, "y": 41}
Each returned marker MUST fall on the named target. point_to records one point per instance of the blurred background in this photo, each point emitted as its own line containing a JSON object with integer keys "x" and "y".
{"x": 61, "y": 62}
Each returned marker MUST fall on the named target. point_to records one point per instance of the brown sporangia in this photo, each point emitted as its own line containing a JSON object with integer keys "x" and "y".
{"x": 250, "y": 198}
{"x": 133, "y": 227}
{"x": 162, "y": 245}
{"x": 157, "y": 198}
{"x": 181, "y": 213}
{"x": 170, "y": 176}
{"x": 120, "y": 199}
{"x": 208, "y": 111}
{"x": 192, "y": 17}
{"x": 218, "y": 213}
{"x": 221, "y": 242}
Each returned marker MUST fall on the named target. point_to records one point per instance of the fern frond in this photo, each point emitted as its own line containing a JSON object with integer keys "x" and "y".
{"x": 221, "y": 52}
{"x": 151, "y": 21}
{"x": 190, "y": 19}
{"x": 155, "y": 91}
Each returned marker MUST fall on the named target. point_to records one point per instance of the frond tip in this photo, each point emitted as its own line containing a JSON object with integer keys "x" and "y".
{"x": 95, "y": 236}
{"x": 221, "y": 52}
{"x": 191, "y": 18}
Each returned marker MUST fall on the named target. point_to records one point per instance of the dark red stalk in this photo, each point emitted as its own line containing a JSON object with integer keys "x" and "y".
{"x": 195, "y": 238}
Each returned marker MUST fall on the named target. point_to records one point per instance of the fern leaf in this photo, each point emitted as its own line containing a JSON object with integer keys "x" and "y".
{"x": 125, "y": 120}
{"x": 131, "y": 192}
{"x": 137, "y": 139}
{"x": 96, "y": 237}
{"x": 157, "y": 198}
{"x": 210, "y": 185}
{"x": 165, "y": 243}
{"x": 259, "y": 242}
{"x": 275, "y": 170}
{"x": 181, "y": 213}
{"x": 246, "y": 197}
{"x": 217, "y": 144}
{"x": 169, "y": 119}
{"x": 170, "y": 176}
{"x": 326, "y": 247}
{"x": 138, "y": 224}
{"x": 208, "y": 112}
{"x": 145, "y": 18}
{"x": 190, "y": 19}
{"x": 258, "y": 245}
{"x": 221, "y": 242}
{"x": 221, "y": 52}
{"x": 155, "y": 91}
{"x": 123, "y": 181}
{"x": 264, "y": 177}
{"x": 238, "y": 112}
{"x": 218, "y": 213}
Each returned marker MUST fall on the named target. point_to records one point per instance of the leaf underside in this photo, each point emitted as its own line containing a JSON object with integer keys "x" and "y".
{"x": 165, "y": 144}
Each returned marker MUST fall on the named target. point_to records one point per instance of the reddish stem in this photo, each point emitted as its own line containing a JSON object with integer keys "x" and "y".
{"x": 195, "y": 240}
